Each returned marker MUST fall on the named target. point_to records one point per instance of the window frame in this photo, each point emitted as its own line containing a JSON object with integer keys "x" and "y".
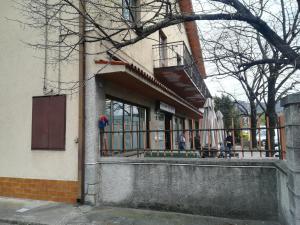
{"x": 133, "y": 6}
{"x": 131, "y": 104}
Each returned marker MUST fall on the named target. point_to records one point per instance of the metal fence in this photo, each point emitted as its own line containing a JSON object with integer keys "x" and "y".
{"x": 194, "y": 143}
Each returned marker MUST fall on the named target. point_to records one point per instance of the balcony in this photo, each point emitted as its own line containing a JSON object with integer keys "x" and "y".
{"x": 175, "y": 67}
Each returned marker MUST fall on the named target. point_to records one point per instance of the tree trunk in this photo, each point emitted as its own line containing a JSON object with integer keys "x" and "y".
{"x": 271, "y": 113}
{"x": 253, "y": 121}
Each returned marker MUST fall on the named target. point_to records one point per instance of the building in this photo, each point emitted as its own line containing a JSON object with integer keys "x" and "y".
{"x": 49, "y": 133}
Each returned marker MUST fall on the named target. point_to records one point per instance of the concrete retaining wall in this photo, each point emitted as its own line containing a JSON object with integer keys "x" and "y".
{"x": 283, "y": 194}
{"x": 254, "y": 189}
{"x": 226, "y": 188}
{"x": 291, "y": 104}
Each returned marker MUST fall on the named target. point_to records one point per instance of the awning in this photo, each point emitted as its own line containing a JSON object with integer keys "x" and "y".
{"x": 135, "y": 79}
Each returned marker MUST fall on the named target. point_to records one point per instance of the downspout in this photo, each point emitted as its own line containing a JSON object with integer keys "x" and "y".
{"x": 46, "y": 49}
{"x": 81, "y": 132}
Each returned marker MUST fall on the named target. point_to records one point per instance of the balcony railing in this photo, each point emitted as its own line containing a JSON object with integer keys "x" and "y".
{"x": 176, "y": 54}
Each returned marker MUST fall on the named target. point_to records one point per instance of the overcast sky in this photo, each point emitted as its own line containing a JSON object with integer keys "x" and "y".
{"x": 217, "y": 86}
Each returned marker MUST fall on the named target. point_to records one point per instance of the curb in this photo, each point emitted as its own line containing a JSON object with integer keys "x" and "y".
{"x": 12, "y": 221}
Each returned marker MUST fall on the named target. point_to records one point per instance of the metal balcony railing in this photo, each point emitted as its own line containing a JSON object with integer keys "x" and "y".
{"x": 176, "y": 54}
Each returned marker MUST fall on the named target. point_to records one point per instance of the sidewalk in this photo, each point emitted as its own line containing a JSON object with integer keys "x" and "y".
{"x": 19, "y": 211}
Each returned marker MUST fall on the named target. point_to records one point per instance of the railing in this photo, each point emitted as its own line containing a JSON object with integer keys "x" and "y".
{"x": 177, "y": 54}
{"x": 196, "y": 143}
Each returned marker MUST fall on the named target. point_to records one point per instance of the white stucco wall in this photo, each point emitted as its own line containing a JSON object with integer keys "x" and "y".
{"x": 21, "y": 73}
{"x": 21, "y": 78}
{"x": 142, "y": 51}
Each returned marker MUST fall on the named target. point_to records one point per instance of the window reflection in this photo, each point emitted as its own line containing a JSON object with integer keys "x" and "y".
{"x": 127, "y": 126}
{"x": 135, "y": 128}
{"x": 108, "y": 114}
{"x": 128, "y": 123}
{"x": 143, "y": 127}
{"x": 117, "y": 124}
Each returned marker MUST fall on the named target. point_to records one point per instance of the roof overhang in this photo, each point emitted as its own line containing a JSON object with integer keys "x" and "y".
{"x": 134, "y": 79}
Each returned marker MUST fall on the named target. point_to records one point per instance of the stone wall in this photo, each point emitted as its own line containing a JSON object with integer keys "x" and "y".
{"x": 245, "y": 189}
{"x": 291, "y": 106}
{"x": 283, "y": 193}
{"x": 95, "y": 101}
{"x": 225, "y": 188}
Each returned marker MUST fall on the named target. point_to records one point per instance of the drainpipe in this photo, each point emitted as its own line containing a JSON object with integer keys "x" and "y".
{"x": 46, "y": 48}
{"x": 81, "y": 132}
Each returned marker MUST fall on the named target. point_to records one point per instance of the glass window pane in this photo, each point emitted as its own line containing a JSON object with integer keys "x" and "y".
{"x": 175, "y": 133}
{"x": 143, "y": 127}
{"x": 125, "y": 12}
{"x": 128, "y": 126}
{"x": 160, "y": 135}
{"x": 118, "y": 124}
{"x": 108, "y": 136}
{"x": 126, "y": 122}
{"x": 135, "y": 127}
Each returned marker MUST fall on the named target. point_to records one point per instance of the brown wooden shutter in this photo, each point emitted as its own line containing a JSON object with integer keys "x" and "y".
{"x": 40, "y": 124}
{"x": 57, "y": 122}
{"x": 48, "y": 122}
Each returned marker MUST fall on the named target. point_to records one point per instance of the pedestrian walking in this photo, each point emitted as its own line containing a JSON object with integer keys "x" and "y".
{"x": 229, "y": 142}
{"x": 181, "y": 141}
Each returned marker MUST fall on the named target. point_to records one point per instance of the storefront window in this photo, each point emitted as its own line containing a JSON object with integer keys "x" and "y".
{"x": 108, "y": 114}
{"x": 159, "y": 135}
{"x": 135, "y": 127}
{"x": 142, "y": 127}
{"x": 127, "y": 126}
{"x": 117, "y": 124}
{"x": 178, "y": 129}
{"x": 127, "y": 121}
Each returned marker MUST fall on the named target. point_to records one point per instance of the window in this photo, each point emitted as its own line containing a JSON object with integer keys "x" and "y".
{"x": 129, "y": 10}
{"x": 163, "y": 50}
{"x": 128, "y": 123}
{"x": 178, "y": 129}
{"x": 48, "y": 122}
{"x": 179, "y": 25}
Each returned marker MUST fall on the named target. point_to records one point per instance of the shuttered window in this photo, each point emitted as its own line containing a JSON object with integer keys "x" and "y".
{"x": 48, "y": 123}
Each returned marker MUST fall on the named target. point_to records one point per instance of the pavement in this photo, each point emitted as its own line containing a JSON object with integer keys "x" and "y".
{"x": 32, "y": 212}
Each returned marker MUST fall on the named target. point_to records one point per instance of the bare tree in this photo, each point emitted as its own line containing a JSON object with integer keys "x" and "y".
{"x": 227, "y": 55}
{"x": 238, "y": 45}
{"x": 124, "y": 22}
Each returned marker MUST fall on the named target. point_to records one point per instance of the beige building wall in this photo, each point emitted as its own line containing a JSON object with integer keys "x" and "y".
{"x": 21, "y": 78}
{"x": 142, "y": 52}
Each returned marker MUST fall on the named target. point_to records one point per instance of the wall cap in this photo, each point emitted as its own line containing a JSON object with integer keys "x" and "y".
{"x": 290, "y": 99}
{"x": 189, "y": 161}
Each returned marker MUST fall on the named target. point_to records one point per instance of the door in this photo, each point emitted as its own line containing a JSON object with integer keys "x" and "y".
{"x": 168, "y": 120}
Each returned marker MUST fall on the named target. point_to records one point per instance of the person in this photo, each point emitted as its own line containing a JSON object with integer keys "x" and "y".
{"x": 197, "y": 141}
{"x": 229, "y": 142}
{"x": 181, "y": 142}
{"x": 102, "y": 123}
